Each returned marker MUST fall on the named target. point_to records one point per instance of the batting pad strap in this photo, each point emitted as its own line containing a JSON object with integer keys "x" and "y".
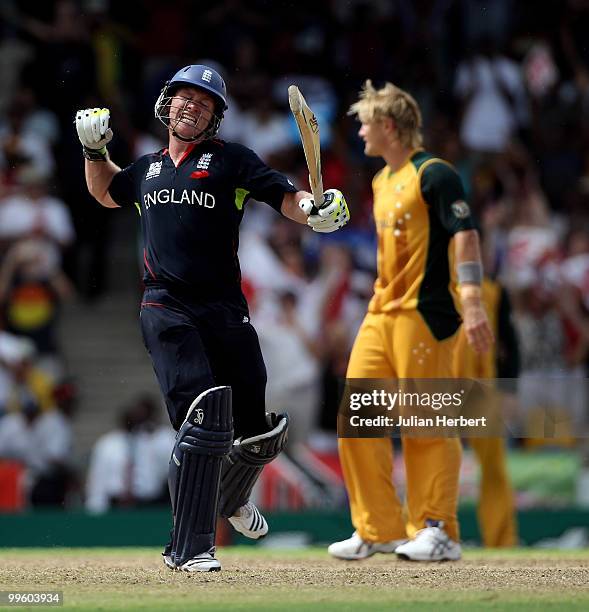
{"x": 244, "y": 464}
{"x": 470, "y": 272}
{"x": 199, "y": 441}
{"x": 270, "y": 443}
{"x": 204, "y": 439}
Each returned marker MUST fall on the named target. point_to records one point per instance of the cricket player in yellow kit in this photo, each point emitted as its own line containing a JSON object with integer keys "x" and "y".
{"x": 410, "y": 332}
{"x": 496, "y": 506}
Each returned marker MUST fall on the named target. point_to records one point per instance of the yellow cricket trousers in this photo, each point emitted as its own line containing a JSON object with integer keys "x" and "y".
{"x": 400, "y": 345}
{"x": 496, "y": 504}
{"x": 495, "y": 509}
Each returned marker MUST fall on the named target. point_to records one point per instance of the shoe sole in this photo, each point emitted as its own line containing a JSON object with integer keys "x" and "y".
{"x": 376, "y": 552}
{"x": 170, "y": 565}
{"x": 404, "y": 557}
{"x": 350, "y": 558}
{"x": 251, "y": 537}
{"x": 173, "y": 568}
{"x": 198, "y": 567}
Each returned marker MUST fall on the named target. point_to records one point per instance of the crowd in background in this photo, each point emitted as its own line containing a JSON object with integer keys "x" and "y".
{"x": 504, "y": 90}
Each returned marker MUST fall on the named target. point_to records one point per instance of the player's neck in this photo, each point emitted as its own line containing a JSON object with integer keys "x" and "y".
{"x": 396, "y": 156}
{"x": 177, "y": 148}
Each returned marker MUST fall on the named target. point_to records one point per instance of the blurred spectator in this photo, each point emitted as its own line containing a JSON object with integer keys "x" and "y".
{"x": 492, "y": 92}
{"x": 266, "y": 242}
{"x": 34, "y": 431}
{"x": 32, "y": 289}
{"x": 15, "y": 53}
{"x": 264, "y": 129}
{"x": 540, "y": 71}
{"x": 23, "y": 386}
{"x": 554, "y": 344}
{"x": 342, "y": 309}
{"x": 36, "y": 122}
{"x": 42, "y": 441}
{"x": 31, "y": 211}
{"x": 573, "y": 33}
{"x": 292, "y": 359}
{"x": 575, "y": 267}
{"x": 129, "y": 465}
{"x": 21, "y": 147}
{"x": 115, "y": 46}
{"x": 64, "y": 58}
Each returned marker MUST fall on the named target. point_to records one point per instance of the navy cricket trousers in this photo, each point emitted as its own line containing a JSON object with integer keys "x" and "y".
{"x": 195, "y": 345}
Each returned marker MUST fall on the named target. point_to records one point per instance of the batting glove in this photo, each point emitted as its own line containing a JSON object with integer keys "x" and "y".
{"x": 94, "y": 132}
{"x": 332, "y": 215}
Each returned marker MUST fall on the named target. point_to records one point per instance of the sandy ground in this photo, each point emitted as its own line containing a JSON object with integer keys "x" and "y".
{"x": 479, "y": 572}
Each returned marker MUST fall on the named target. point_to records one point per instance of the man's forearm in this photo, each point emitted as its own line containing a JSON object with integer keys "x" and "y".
{"x": 290, "y": 206}
{"x": 99, "y": 175}
{"x": 467, "y": 251}
{"x": 467, "y": 255}
{"x": 467, "y": 246}
{"x": 470, "y": 275}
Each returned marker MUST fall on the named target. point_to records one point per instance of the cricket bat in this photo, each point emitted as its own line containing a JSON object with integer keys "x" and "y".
{"x": 309, "y": 131}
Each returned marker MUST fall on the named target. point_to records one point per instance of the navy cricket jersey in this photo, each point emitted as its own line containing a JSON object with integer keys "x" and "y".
{"x": 190, "y": 214}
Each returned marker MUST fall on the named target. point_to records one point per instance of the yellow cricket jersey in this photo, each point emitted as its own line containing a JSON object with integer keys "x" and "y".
{"x": 417, "y": 210}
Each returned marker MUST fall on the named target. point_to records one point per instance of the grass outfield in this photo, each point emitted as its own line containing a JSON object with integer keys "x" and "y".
{"x": 254, "y": 578}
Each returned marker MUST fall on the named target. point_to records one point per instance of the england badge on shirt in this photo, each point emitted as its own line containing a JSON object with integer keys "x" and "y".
{"x": 204, "y": 161}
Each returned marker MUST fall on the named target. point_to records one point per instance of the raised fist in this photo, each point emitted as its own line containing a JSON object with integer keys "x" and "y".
{"x": 332, "y": 215}
{"x": 92, "y": 125}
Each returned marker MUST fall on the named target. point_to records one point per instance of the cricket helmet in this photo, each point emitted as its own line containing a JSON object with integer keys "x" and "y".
{"x": 202, "y": 77}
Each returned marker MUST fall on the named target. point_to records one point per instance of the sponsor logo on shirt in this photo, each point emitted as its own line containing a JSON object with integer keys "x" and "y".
{"x": 173, "y": 196}
{"x": 154, "y": 170}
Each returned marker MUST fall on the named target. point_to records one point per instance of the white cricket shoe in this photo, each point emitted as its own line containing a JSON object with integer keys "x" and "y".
{"x": 168, "y": 562}
{"x": 205, "y": 562}
{"x": 167, "y": 554}
{"x": 430, "y": 544}
{"x": 248, "y": 521}
{"x": 355, "y": 548}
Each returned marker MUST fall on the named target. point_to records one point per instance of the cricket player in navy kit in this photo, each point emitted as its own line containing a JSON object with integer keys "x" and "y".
{"x": 194, "y": 317}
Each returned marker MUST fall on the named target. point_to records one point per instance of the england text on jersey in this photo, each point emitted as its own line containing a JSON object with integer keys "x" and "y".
{"x": 184, "y": 196}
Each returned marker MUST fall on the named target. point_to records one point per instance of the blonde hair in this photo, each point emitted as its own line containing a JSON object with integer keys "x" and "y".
{"x": 390, "y": 101}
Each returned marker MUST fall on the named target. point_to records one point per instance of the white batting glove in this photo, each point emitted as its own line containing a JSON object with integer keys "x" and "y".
{"x": 332, "y": 215}
{"x": 92, "y": 125}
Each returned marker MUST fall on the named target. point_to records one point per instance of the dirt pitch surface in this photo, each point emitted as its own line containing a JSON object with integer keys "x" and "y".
{"x": 258, "y": 579}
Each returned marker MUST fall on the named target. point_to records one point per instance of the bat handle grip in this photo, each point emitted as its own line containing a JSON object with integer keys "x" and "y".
{"x": 317, "y": 190}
